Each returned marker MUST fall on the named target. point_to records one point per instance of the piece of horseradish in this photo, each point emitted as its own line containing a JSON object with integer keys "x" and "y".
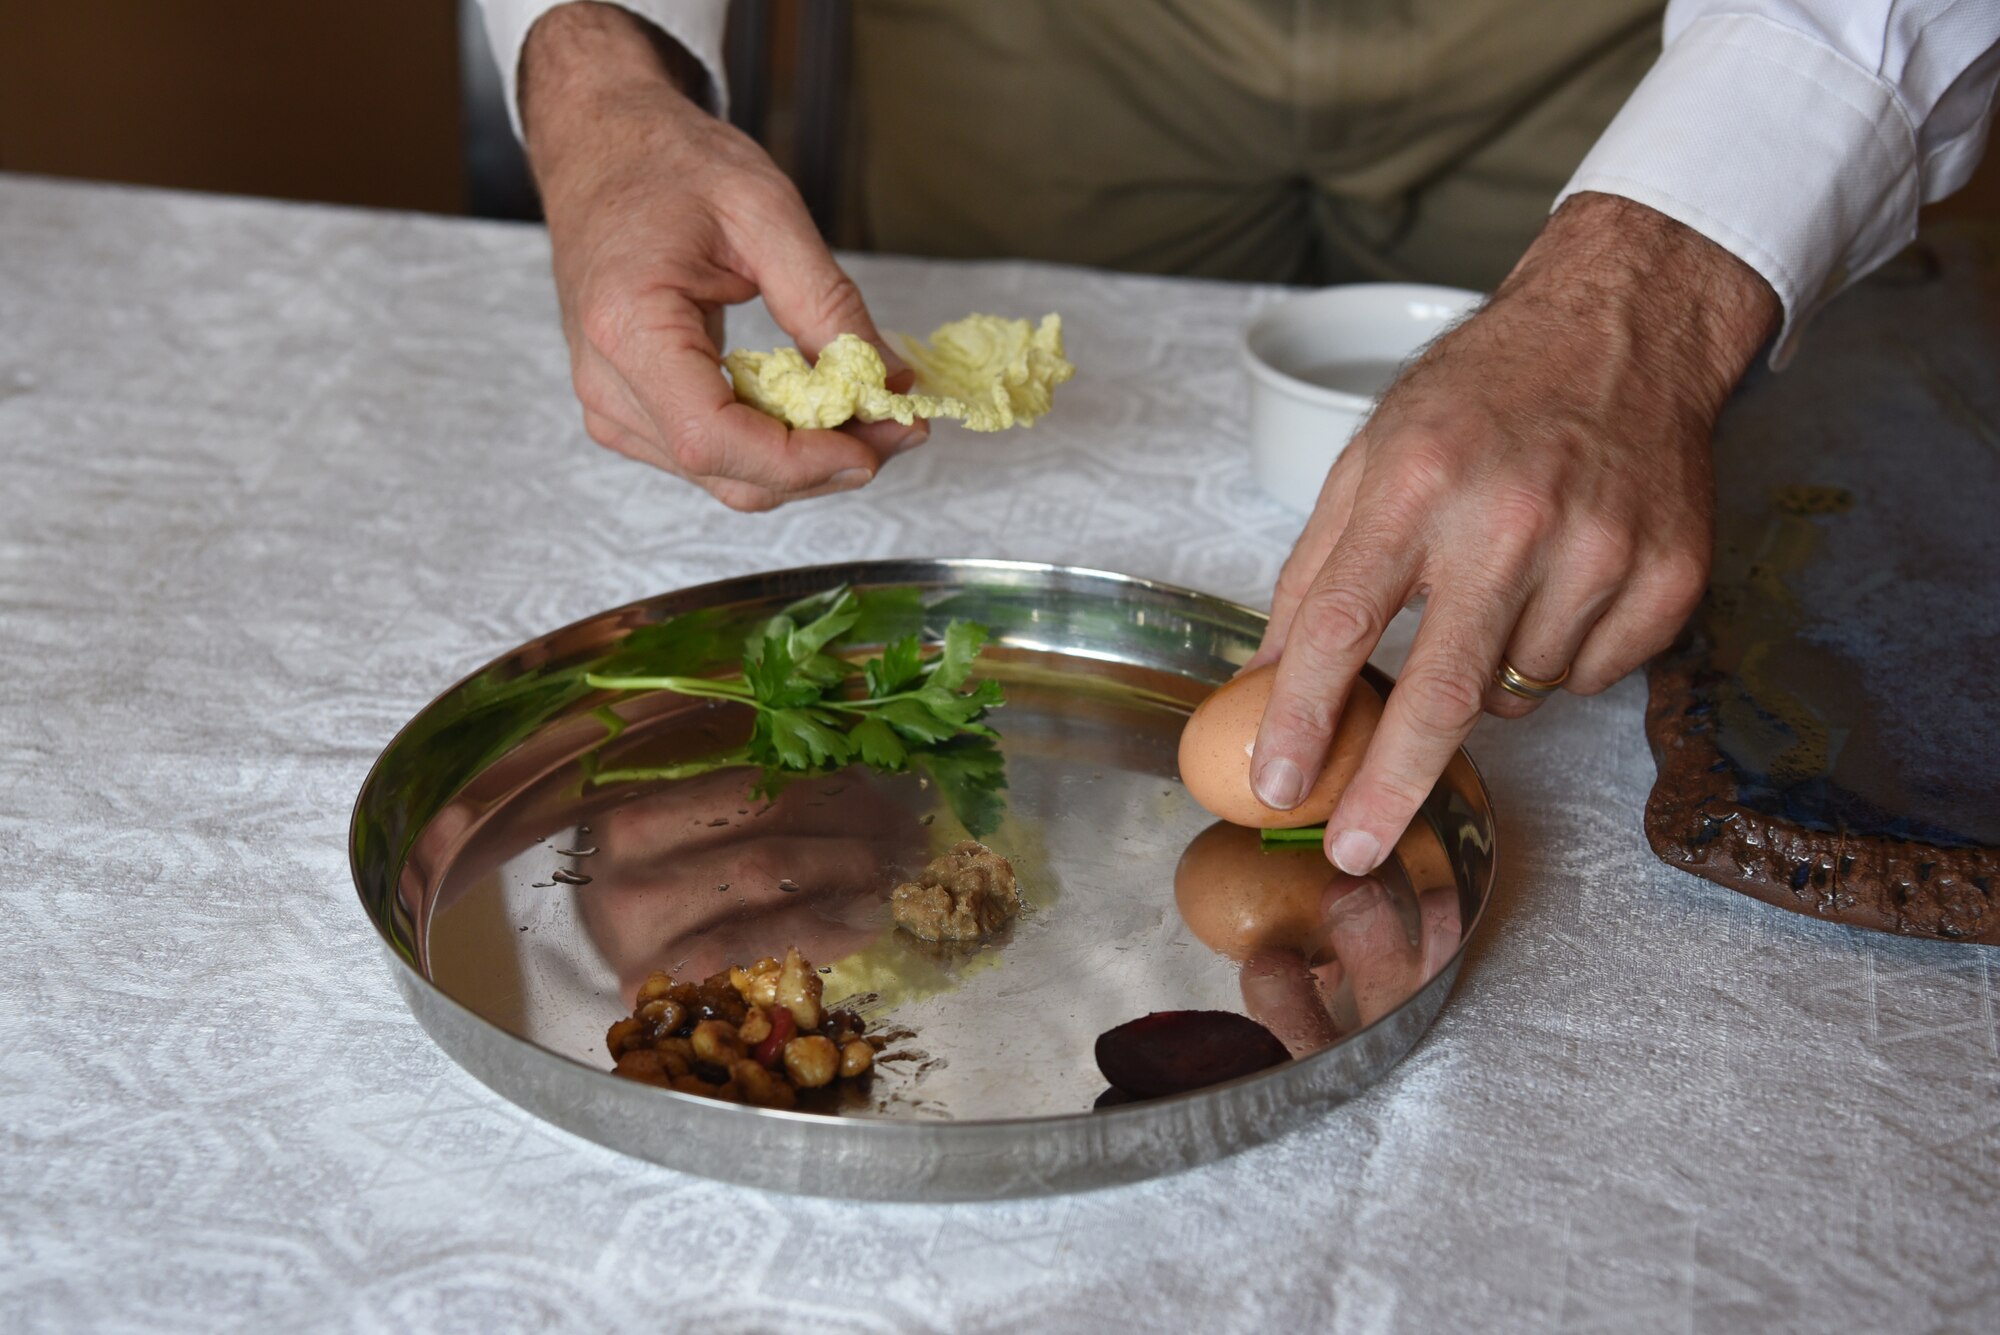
{"x": 986, "y": 371}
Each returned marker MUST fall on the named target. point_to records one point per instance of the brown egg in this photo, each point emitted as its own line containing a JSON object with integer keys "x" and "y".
{"x": 1215, "y": 752}
{"x": 1239, "y": 899}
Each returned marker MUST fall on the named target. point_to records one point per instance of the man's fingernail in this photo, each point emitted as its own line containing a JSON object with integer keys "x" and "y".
{"x": 1360, "y": 901}
{"x": 1356, "y": 852}
{"x": 847, "y": 479}
{"x": 1279, "y": 784}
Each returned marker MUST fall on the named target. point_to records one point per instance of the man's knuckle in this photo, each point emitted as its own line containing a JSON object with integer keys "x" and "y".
{"x": 606, "y": 322}
{"x": 1294, "y": 715}
{"x": 1338, "y": 623}
{"x": 1522, "y": 515}
{"x": 1493, "y": 569}
{"x": 1402, "y": 794}
{"x": 1663, "y": 593}
{"x": 1602, "y": 550}
{"x": 1444, "y": 702}
{"x": 1293, "y": 587}
{"x": 742, "y": 497}
{"x": 1426, "y": 464}
{"x": 770, "y": 196}
{"x": 1679, "y": 578}
{"x": 692, "y": 452}
{"x": 1609, "y": 657}
{"x": 601, "y": 429}
{"x": 833, "y": 301}
{"x": 1590, "y": 679}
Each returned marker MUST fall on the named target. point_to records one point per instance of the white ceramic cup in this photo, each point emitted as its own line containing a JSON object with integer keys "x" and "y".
{"x": 1352, "y": 335}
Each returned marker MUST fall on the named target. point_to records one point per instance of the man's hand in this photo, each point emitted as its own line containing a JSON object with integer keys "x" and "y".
{"x": 660, "y": 215}
{"x": 1364, "y": 946}
{"x": 1541, "y": 479}
{"x": 657, "y": 900}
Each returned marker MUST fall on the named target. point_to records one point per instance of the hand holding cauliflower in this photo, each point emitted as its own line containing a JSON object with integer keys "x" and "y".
{"x": 989, "y": 372}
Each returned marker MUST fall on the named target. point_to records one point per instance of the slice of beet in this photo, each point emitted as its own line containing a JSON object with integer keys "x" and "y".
{"x": 1172, "y": 1052}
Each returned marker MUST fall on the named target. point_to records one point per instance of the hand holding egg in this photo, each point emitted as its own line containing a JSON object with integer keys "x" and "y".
{"x": 1217, "y": 741}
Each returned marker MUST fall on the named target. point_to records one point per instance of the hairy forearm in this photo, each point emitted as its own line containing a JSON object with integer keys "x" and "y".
{"x": 1645, "y": 280}
{"x": 582, "y": 60}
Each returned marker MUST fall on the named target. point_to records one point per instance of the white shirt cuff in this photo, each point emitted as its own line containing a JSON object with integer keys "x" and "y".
{"x": 1777, "y": 148}
{"x": 696, "y": 24}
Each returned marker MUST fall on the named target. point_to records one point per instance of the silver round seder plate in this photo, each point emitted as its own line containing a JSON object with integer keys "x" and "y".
{"x": 521, "y": 902}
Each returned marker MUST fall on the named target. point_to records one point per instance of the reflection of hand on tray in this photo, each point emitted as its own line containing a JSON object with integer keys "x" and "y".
{"x": 1361, "y": 964}
{"x": 842, "y": 840}
{"x": 1367, "y": 934}
{"x": 1287, "y": 995}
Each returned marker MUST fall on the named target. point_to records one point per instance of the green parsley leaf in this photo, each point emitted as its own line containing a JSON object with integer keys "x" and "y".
{"x": 878, "y": 744}
{"x": 915, "y": 720}
{"x": 959, "y": 709}
{"x": 835, "y": 622}
{"x": 971, "y": 774}
{"x": 799, "y": 740}
{"x": 899, "y": 665}
{"x": 962, "y": 643}
{"x": 825, "y": 671}
{"x": 779, "y": 629}
{"x": 766, "y": 668}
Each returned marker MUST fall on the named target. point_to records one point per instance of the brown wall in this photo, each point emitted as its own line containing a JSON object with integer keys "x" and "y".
{"x": 348, "y": 100}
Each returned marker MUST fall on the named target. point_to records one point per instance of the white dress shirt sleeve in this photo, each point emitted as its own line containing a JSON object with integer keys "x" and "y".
{"x": 1803, "y": 135}
{"x": 696, "y": 24}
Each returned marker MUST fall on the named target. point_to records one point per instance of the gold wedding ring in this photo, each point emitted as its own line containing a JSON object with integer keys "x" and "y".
{"x": 1511, "y": 679}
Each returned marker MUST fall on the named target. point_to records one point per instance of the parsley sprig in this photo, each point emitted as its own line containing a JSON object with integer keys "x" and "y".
{"x": 818, "y": 711}
{"x": 1291, "y": 838}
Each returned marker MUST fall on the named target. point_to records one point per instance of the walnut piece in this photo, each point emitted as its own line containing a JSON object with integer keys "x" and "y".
{"x": 760, "y": 1035}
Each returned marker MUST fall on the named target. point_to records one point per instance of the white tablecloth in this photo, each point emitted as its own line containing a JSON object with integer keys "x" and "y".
{"x": 271, "y": 476}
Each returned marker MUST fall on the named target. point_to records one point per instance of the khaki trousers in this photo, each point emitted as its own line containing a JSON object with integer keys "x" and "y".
{"x": 1308, "y": 141}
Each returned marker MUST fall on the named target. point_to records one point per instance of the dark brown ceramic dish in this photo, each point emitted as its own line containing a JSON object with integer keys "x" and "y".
{"x": 1828, "y": 731}
{"x": 1694, "y": 821}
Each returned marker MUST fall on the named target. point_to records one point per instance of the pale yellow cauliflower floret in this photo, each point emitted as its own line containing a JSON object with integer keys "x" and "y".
{"x": 990, "y": 373}
{"x": 848, "y": 382}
